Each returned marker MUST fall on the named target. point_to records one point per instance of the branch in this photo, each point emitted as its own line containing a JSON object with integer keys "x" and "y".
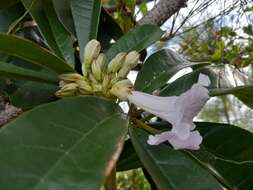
{"x": 162, "y": 11}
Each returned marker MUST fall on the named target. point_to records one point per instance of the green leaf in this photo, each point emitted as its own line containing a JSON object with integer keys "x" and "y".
{"x": 159, "y": 68}
{"x": 9, "y": 15}
{"x": 86, "y": 16}
{"x": 169, "y": 168}
{"x": 61, "y": 35}
{"x": 128, "y": 159}
{"x": 7, "y": 4}
{"x": 33, "y": 53}
{"x": 11, "y": 71}
{"x": 221, "y": 83}
{"x": 244, "y": 93}
{"x": 137, "y": 39}
{"x": 31, "y": 94}
{"x": 63, "y": 11}
{"x": 228, "y": 150}
{"x": 53, "y": 31}
{"x": 61, "y": 146}
{"x": 180, "y": 85}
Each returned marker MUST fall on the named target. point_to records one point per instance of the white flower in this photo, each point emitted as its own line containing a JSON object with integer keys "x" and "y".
{"x": 179, "y": 111}
{"x": 192, "y": 142}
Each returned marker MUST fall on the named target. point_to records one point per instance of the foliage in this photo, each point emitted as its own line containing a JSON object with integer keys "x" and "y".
{"x": 76, "y": 142}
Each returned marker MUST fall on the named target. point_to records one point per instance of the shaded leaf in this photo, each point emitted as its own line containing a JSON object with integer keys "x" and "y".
{"x": 9, "y": 15}
{"x": 128, "y": 159}
{"x": 86, "y": 16}
{"x": 14, "y": 72}
{"x": 61, "y": 35}
{"x": 31, "y": 52}
{"x": 31, "y": 94}
{"x": 61, "y": 146}
{"x": 63, "y": 11}
{"x": 53, "y": 31}
{"x": 7, "y": 4}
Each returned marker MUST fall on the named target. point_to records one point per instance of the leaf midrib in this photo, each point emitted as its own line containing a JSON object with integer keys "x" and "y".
{"x": 72, "y": 148}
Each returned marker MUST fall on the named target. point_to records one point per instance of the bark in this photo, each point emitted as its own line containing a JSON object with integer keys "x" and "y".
{"x": 162, "y": 11}
{"x": 9, "y": 112}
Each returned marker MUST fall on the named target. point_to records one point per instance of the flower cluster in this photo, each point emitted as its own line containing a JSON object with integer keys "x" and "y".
{"x": 109, "y": 80}
{"x": 99, "y": 77}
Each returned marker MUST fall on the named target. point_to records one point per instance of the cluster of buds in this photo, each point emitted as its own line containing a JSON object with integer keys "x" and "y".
{"x": 100, "y": 77}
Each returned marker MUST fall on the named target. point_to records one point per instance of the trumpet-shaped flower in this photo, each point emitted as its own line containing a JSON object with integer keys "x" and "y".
{"x": 178, "y": 110}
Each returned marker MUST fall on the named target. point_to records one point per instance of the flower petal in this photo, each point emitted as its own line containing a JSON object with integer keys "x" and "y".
{"x": 162, "y": 107}
{"x": 159, "y": 138}
{"x": 204, "y": 80}
{"x": 192, "y": 142}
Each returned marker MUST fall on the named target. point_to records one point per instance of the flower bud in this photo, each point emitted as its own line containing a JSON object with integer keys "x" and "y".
{"x": 123, "y": 72}
{"x": 122, "y": 89}
{"x": 98, "y": 65}
{"x": 84, "y": 87}
{"x": 70, "y": 77}
{"x": 132, "y": 59}
{"x": 97, "y": 87}
{"x": 116, "y": 63}
{"x": 67, "y": 90}
{"x": 92, "y": 79}
{"x": 106, "y": 82}
{"x": 91, "y": 51}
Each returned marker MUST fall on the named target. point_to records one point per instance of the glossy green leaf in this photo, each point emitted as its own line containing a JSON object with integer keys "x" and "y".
{"x": 31, "y": 94}
{"x": 228, "y": 151}
{"x": 53, "y": 31}
{"x": 61, "y": 35}
{"x": 159, "y": 68}
{"x": 11, "y": 71}
{"x": 137, "y": 39}
{"x": 169, "y": 168}
{"x": 86, "y": 16}
{"x": 63, "y": 11}
{"x": 31, "y": 52}
{"x": 65, "y": 145}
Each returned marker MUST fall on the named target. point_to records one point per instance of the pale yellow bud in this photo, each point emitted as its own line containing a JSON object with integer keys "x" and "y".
{"x": 62, "y": 83}
{"x": 91, "y": 51}
{"x": 123, "y": 72}
{"x": 98, "y": 65}
{"x": 122, "y": 89}
{"x": 97, "y": 87}
{"x": 116, "y": 63}
{"x": 92, "y": 79}
{"x": 132, "y": 59}
{"x": 70, "y": 77}
{"x": 106, "y": 82}
{"x": 84, "y": 87}
{"x": 67, "y": 90}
